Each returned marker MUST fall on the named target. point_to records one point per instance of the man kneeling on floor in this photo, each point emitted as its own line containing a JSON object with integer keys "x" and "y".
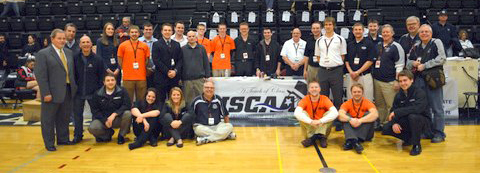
{"x": 408, "y": 117}
{"x": 315, "y": 113}
{"x": 357, "y": 115}
{"x": 212, "y": 121}
{"x": 110, "y": 109}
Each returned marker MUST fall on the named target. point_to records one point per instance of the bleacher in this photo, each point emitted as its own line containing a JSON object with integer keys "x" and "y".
{"x": 41, "y": 16}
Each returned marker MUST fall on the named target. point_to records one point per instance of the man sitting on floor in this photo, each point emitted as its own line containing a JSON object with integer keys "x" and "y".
{"x": 357, "y": 115}
{"x": 315, "y": 113}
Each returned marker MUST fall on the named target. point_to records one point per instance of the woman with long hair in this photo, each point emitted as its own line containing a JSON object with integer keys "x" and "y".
{"x": 107, "y": 46}
{"x": 145, "y": 119}
{"x": 176, "y": 118}
{"x": 31, "y": 47}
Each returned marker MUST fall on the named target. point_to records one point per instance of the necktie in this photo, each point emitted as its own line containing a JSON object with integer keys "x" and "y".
{"x": 64, "y": 62}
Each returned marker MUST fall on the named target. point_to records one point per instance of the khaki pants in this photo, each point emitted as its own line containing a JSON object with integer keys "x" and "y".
{"x": 221, "y": 72}
{"x": 99, "y": 130}
{"x": 366, "y": 81}
{"x": 213, "y": 133}
{"x": 384, "y": 95}
{"x": 192, "y": 89}
{"x": 312, "y": 73}
{"x": 137, "y": 87}
{"x": 308, "y": 130}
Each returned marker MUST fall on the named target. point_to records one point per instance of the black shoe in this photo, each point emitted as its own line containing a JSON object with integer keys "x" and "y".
{"x": 437, "y": 139}
{"x": 65, "y": 143}
{"x": 307, "y": 142}
{"x": 358, "y": 147}
{"x": 179, "y": 145}
{"x": 77, "y": 139}
{"x": 51, "y": 148}
{"x": 416, "y": 150}
{"x": 348, "y": 145}
{"x": 153, "y": 142}
{"x": 134, "y": 145}
{"x": 121, "y": 140}
{"x": 323, "y": 142}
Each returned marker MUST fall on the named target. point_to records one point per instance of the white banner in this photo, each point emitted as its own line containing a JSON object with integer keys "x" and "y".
{"x": 450, "y": 99}
{"x": 253, "y": 96}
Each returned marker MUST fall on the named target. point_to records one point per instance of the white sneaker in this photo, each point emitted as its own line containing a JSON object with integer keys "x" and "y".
{"x": 232, "y": 136}
{"x": 201, "y": 140}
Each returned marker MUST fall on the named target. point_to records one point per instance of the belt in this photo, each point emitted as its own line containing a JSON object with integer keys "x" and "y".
{"x": 331, "y": 68}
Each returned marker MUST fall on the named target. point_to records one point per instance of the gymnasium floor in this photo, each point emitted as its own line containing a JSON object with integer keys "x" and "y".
{"x": 257, "y": 149}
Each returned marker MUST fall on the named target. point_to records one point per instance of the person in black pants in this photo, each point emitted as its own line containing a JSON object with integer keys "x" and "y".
{"x": 89, "y": 71}
{"x": 145, "y": 121}
{"x": 176, "y": 118}
{"x": 167, "y": 57}
{"x": 408, "y": 118}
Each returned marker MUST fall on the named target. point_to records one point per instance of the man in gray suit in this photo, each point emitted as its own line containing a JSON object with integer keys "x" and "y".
{"x": 55, "y": 76}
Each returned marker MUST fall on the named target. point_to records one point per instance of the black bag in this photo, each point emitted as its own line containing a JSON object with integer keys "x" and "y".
{"x": 471, "y": 52}
{"x": 434, "y": 77}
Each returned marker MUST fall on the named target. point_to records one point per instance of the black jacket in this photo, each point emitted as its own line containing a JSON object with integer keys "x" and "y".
{"x": 415, "y": 102}
{"x": 268, "y": 67}
{"x": 89, "y": 76}
{"x": 167, "y": 58}
{"x": 104, "y": 105}
{"x": 185, "y": 114}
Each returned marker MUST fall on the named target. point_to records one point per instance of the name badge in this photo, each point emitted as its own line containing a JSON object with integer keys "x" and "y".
{"x": 222, "y": 56}
{"x": 356, "y": 60}
{"x": 377, "y": 64}
{"x": 90, "y": 66}
{"x": 267, "y": 57}
{"x": 173, "y": 62}
{"x": 211, "y": 121}
{"x": 112, "y": 61}
{"x": 245, "y": 55}
{"x": 419, "y": 59}
{"x": 135, "y": 65}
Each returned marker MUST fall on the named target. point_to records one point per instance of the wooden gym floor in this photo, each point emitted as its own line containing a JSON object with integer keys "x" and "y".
{"x": 256, "y": 149}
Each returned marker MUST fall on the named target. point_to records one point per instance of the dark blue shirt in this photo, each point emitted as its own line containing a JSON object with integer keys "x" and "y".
{"x": 310, "y": 51}
{"x": 364, "y": 50}
{"x": 391, "y": 60}
{"x": 447, "y": 33}
{"x": 204, "y": 109}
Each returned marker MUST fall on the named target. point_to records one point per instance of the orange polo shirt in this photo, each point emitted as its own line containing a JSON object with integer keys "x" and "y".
{"x": 126, "y": 54}
{"x": 319, "y": 107}
{"x": 206, "y": 43}
{"x": 219, "y": 46}
{"x": 357, "y": 110}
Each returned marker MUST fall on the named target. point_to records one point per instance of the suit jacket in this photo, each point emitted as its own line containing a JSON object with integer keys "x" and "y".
{"x": 50, "y": 74}
{"x": 162, "y": 56}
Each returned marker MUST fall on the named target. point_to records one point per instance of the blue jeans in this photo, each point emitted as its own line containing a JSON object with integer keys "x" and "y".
{"x": 435, "y": 103}
{"x": 11, "y": 6}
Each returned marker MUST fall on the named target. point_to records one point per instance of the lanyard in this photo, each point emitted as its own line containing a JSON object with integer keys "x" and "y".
{"x": 296, "y": 48}
{"x": 223, "y": 43}
{"x": 328, "y": 45}
{"x": 134, "y": 50}
{"x": 316, "y": 107}
{"x": 358, "y": 110}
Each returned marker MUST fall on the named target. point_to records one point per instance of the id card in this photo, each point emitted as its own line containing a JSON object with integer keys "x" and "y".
{"x": 245, "y": 55}
{"x": 135, "y": 65}
{"x": 112, "y": 61}
{"x": 419, "y": 59}
{"x": 267, "y": 57}
{"x": 222, "y": 56}
{"x": 211, "y": 121}
{"x": 173, "y": 62}
{"x": 356, "y": 60}
{"x": 377, "y": 64}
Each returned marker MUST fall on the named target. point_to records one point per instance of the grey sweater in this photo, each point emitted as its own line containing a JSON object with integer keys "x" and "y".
{"x": 195, "y": 63}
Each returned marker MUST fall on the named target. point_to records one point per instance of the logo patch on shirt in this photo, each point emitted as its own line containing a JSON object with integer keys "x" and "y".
{"x": 214, "y": 106}
{"x": 411, "y": 100}
{"x": 363, "y": 47}
{"x": 116, "y": 98}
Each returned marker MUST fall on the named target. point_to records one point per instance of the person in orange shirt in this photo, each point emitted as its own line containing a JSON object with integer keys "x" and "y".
{"x": 222, "y": 46}
{"x": 133, "y": 56}
{"x": 315, "y": 113}
{"x": 202, "y": 40}
{"x": 357, "y": 115}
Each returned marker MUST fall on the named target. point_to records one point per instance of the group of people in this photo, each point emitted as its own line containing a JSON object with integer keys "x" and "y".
{"x": 160, "y": 85}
